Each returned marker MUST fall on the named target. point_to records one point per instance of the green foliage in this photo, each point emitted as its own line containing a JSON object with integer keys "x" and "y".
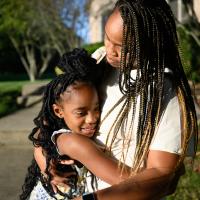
{"x": 10, "y": 86}
{"x": 190, "y": 52}
{"x": 8, "y": 76}
{"x": 9, "y": 91}
{"x": 14, "y": 16}
{"x": 195, "y": 76}
{"x": 8, "y": 56}
{"x": 92, "y": 47}
{"x": 189, "y": 184}
{"x": 188, "y": 188}
{"x": 185, "y": 50}
{"x": 19, "y": 77}
{"x": 40, "y": 30}
{"x": 8, "y": 102}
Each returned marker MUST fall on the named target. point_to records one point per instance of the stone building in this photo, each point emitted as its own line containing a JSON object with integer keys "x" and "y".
{"x": 99, "y": 11}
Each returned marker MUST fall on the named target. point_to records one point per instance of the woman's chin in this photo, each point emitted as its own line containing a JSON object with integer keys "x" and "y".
{"x": 113, "y": 63}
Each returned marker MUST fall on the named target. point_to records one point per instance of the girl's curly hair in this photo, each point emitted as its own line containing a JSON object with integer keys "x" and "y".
{"x": 78, "y": 66}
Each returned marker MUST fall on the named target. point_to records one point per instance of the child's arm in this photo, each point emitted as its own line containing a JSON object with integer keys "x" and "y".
{"x": 85, "y": 150}
{"x": 40, "y": 158}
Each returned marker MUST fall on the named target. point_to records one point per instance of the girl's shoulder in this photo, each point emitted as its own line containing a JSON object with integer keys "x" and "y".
{"x": 70, "y": 143}
{"x": 72, "y": 139}
{"x": 57, "y": 133}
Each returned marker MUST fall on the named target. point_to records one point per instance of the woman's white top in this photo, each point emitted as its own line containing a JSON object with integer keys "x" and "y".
{"x": 168, "y": 133}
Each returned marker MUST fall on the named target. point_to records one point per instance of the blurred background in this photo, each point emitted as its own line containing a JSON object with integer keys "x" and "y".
{"x": 33, "y": 35}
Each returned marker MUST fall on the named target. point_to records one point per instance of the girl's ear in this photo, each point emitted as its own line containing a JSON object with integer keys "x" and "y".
{"x": 58, "y": 111}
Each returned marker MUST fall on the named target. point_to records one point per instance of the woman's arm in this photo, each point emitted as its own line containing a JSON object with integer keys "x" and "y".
{"x": 84, "y": 150}
{"x": 154, "y": 182}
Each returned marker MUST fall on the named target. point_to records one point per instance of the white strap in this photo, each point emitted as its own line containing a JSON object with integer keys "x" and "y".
{"x": 99, "y": 54}
{"x": 58, "y": 132}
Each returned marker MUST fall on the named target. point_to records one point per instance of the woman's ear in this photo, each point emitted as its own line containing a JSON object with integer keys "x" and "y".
{"x": 58, "y": 111}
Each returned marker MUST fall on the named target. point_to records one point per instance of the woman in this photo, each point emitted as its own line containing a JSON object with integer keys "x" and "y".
{"x": 153, "y": 135}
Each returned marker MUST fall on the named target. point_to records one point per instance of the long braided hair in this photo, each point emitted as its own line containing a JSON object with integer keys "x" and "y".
{"x": 150, "y": 45}
{"x": 78, "y": 67}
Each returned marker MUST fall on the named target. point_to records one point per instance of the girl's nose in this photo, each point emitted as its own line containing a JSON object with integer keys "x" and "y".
{"x": 91, "y": 118}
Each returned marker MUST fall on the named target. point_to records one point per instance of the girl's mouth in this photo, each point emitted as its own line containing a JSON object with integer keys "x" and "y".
{"x": 88, "y": 131}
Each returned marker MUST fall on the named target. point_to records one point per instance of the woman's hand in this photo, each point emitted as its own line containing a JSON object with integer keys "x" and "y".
{"x": 173, "y": 185}
{"x": 58, "y": 179}
{"x": 60, "y": 175}
{"x": 78, "y": 198}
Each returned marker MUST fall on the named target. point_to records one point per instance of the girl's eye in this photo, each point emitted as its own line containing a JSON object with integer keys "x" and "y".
{"x": 80, "y": 113}
{"x": 97, "y": 109}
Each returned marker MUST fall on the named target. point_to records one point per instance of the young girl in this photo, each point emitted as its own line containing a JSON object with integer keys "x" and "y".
{"x": 70, "y": 112}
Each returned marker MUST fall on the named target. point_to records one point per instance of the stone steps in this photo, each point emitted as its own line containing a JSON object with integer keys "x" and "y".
{"x": 31, "y": 94}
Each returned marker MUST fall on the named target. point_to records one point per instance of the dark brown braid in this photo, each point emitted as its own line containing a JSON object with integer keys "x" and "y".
{"x": 150, "y": 45}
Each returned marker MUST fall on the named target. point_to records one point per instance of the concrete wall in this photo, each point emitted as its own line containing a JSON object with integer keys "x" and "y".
{"x": 197, "y": 8}
{"x": 99, "y": 8}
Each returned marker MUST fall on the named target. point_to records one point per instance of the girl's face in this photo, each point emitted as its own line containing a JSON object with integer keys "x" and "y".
{"x": 113, "y": 38}
{"x": 79, "y": 108}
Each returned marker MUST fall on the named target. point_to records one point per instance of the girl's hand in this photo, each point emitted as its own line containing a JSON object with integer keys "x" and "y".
{"x": 78, "y": 198}
{"x": 67, "y": 162}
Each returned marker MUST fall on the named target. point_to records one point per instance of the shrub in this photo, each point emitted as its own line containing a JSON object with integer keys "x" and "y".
{"x": 92, "y": 47}
{"x": 190, "y": 55}
{"x": 185, "y": 50}
{"x": 8, "y": 102}
{"x": 188, "y": 187}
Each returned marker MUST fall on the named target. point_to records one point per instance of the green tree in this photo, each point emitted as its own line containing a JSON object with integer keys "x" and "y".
{"x": 189, "y": 34}
{"x": 39, "y": 30}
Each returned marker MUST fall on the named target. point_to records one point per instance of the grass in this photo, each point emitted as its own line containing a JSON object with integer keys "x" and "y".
{"x": 6, "y": 76}
{"x": 8, "y": 86}
{"x": 9, "y": 91}
{"x": 189, "y": 185}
